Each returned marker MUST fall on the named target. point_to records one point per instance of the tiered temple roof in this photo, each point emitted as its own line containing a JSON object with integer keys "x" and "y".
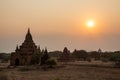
{"x": 23, "y": 53}
{"x": 28, "y": 46}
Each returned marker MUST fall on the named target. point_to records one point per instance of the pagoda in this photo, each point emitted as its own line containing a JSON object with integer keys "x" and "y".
{"x": 66, "y": 56}
{"x": 23, "y": 54}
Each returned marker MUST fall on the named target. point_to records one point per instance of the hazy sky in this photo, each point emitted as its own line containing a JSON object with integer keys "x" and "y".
{"x": 58, "y": 23}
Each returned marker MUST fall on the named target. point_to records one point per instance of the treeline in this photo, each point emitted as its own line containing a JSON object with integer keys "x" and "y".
{"x": 83, "y": 55}
{"x": 4, "y": 57}
{"x": 77, "y": 54}
{"x": 51, "y": 58}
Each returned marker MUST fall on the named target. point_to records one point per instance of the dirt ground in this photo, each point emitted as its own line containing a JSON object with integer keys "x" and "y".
{"x": 68, "y": 71}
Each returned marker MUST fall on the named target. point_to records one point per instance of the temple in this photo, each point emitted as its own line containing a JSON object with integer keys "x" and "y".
{"x": 23, "y": 53}
{"x": 66, "y": 56}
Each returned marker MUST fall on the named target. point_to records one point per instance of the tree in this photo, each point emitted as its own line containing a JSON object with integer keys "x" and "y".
{"x": 45, "y": 57}
{"x": 80, "y": 54}
{"x": 36, "y": 57}
{"x": 51, "y": 63}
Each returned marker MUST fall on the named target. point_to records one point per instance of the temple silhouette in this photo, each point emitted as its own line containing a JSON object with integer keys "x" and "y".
{"x": 23, "y": 54}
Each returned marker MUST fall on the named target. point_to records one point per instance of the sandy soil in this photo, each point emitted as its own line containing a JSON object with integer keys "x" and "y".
{"x": 67, "y": 72}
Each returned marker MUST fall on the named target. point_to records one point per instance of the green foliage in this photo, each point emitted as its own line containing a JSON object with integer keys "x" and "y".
{"x": 51, "y": 62}
{"x": 45, "y": 57}
{"x": 80, "y": 54}
{"x": 4, "y": 57}
{"x": 115, "y": 57}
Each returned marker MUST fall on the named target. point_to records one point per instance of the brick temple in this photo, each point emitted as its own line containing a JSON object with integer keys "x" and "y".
{"x": 23, "y": 54}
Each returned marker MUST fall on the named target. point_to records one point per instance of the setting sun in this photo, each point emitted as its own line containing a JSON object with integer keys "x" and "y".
{"x": 90, "y": 23}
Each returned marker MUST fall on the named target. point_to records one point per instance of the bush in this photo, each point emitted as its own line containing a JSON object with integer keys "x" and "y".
{"x": 4, "y": 57}
{"x": 45, "y": 57}
{"x": 115, "y": 57}
{"x": 51, "y": 62}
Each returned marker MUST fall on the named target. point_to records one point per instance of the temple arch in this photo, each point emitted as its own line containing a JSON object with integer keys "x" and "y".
{"x": 17, "y": 62}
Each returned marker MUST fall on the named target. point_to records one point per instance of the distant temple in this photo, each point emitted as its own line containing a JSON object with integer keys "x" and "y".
{"x": 65, "y": 56}
{"x": 23, "y": 54}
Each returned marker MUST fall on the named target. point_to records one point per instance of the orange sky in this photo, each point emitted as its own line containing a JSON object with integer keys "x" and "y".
{"x": 60, "y": 23}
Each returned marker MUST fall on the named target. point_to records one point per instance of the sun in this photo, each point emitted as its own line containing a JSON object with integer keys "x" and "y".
{"x": 90, "y": 24}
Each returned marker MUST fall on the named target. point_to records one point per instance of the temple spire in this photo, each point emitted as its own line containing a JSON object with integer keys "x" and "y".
{"x": 16, "y": 48}
{"x": 28, "y": 30}
{"x": 28, "y": 37}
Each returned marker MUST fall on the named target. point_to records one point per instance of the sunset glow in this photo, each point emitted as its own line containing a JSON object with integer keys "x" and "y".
{"x": 59, "y": 23}
{"x": 90, "y": 24}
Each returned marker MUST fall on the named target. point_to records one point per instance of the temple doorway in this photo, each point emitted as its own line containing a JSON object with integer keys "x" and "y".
{"x": 17, "y": 62}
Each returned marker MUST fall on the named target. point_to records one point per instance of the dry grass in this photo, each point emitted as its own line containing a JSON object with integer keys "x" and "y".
{"x": 3, "y": 76}
{"x": 66, "y": 72}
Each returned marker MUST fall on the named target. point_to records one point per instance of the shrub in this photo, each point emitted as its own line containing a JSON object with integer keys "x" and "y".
{"x": 45, "y": 57}
{"x": 51, "y": 62}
